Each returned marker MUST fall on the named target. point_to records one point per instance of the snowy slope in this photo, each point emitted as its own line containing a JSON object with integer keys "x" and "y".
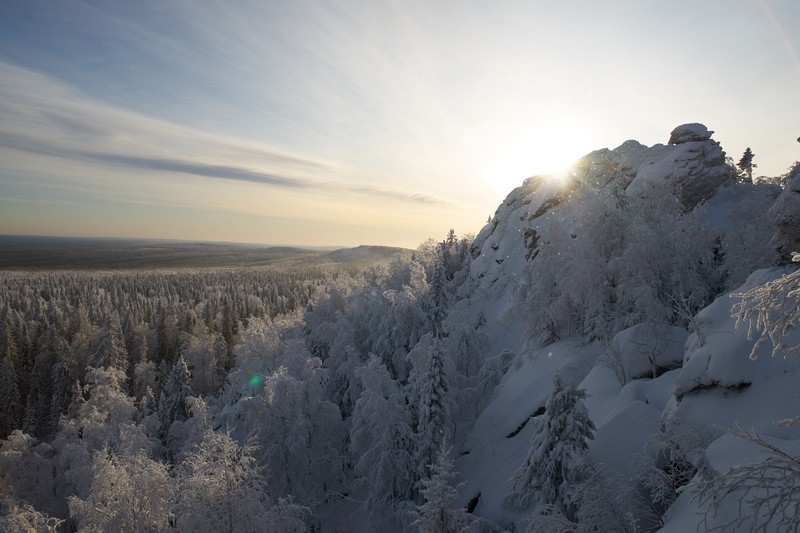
{"x": 500, "y": 437}
{"x": 703, "y": 380}
{"x": 717, "y": 387}
{"x": 720, "y": 387}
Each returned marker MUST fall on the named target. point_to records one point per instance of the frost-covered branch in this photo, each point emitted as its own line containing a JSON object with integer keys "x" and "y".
{"x": 767, "y": 492}
{"x": 771, "y": 310}
{"x": 26, "y": 519}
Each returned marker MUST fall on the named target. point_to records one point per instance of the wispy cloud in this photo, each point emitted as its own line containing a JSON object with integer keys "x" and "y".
{"x": 34, "y": 201}
{"x": 36, "y": 146}
{"x": 41, "y": 116}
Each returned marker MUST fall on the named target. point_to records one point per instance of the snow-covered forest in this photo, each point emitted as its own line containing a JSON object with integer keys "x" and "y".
{"x": 614, "y": 351}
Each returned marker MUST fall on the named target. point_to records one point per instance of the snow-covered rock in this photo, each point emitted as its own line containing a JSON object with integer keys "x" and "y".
{"x": 648, "y": 350}
{"x": 693, "y": 165}
{"x": 504, "y": 245}
{"x": 690, "y": 133}
{"x": 785, "y": 213}
{"x": 721, "y": 386}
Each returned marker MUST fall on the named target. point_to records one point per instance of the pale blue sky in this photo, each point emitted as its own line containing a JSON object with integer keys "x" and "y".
{"x": 342, "y": 123}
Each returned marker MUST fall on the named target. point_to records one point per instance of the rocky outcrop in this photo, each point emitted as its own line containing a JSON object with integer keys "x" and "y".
{"x": 785, "y": 214}
{"x": 693, "y": 163}
{"x": 687, "y": 133}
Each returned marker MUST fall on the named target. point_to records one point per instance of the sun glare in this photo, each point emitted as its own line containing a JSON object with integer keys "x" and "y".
{"x": 547, "y": 150}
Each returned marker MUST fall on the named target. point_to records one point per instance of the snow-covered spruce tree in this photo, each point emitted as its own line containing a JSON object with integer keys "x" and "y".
{"x": 111, "y": 350}
{"x": 63, "y": 384}
{"x": 434, "y": 407}
{"x": 560, "y": 439}
{"x": 173, "y": 409}
{"x": 11, "y": 413}
{"x": 435, "y": 515}
{"x": 172, "y": 405}
{"x": 24, "y": 360}
{"x": 37, "y": 408}
{"x": 438, "y": 303}
{"x": 202, "y": 361}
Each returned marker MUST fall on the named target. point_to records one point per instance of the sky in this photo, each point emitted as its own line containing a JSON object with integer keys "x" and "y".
{"x": 335, "y": 123}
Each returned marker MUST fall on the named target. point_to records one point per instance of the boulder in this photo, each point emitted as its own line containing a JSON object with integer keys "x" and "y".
{"x": 686, "y": 133}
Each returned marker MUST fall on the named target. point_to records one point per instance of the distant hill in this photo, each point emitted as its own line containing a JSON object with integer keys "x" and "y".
{"x": 365, "y": 253}
{"x": 18, "y": 252}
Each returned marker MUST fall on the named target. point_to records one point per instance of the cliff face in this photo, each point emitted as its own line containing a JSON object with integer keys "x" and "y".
{"x": 680, "y": 379}
{"x": 692, "y": 165}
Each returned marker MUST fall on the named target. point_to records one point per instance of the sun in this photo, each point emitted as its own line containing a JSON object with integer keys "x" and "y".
{"x": 549, "y": 149}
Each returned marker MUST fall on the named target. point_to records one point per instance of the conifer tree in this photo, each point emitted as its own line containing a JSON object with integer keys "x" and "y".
{"x": 228, "y": 322}
{"x": 560, "y": 439}
{"x": 8, "y": 344}
{"x": 438, "y": 287}
{"x": 746, "y": 165}
{"x": 141, "y": 352}
{"x": 11, "y": 411}
{"x": 79, "y": 321}
{"x": 173, "y": 406}
{"x": 37, "y": 407}
{"x": 433, "y": 409}
{"x": 62, "y": 380}
{"x": 111, "y": 351}
{"x": 25, "y": 358}
{"x": 165, "y": 336}
{"x": 10, "y": 398}
{"x": 223, "y": 361}
{"x": 435, "y": 514}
